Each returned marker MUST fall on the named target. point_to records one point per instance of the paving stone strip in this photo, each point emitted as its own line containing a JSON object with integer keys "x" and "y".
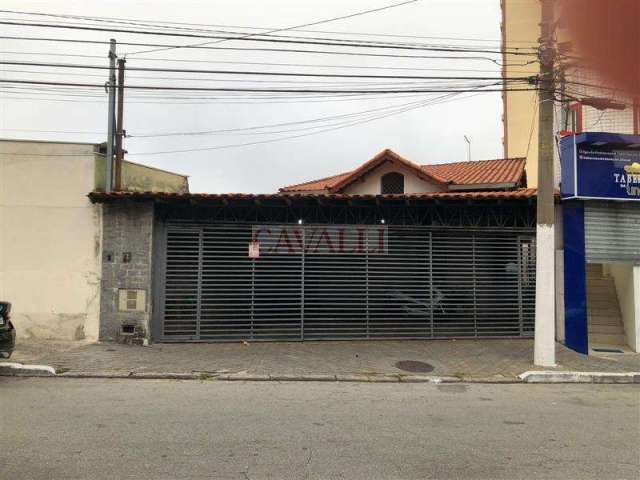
{"x": 470, "y": 361}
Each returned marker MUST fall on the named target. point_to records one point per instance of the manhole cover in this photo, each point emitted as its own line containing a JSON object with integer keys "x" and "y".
{"x": 414, "y": 366}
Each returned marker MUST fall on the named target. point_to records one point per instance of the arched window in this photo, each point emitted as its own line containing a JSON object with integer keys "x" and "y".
{"x": 392, "y": 182}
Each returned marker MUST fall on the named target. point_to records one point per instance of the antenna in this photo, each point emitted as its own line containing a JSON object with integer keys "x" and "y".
{"x": 466, "y": 139}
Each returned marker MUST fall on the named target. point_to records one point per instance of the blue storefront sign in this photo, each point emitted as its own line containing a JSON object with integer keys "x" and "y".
{"x": 600, "y": 166}
{"x": 594, "y": 166}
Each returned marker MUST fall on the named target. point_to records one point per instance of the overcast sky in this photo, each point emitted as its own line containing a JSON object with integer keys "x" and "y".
{"x": 431, "y": 134}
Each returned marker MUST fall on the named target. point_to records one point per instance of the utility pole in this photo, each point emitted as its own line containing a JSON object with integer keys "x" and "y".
{"x": 111, "y": 90}
{"x": 544, "y": 340}
{"x": 119, "y": 125}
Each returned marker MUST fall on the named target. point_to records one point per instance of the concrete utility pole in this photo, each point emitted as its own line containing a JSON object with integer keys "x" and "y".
{"x": 119, "y": 125}
{"x": 544, "y": 342}
{"x": 111, "y": 89}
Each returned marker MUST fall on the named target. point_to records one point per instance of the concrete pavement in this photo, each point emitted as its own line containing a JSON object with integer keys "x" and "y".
{"x": 497, "y": 360}
{"x": 106, "y": 429}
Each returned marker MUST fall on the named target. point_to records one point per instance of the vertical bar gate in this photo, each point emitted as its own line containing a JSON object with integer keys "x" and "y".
{"x": 426, "y": 282}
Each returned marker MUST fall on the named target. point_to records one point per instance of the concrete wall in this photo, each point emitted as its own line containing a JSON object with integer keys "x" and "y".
{"x": 128, "y": 228}
{"x": 370, "y": 183}
{"x": 627, "y": 279}
{"x": 141, "y": 178}
{"x": 50, "y": 239}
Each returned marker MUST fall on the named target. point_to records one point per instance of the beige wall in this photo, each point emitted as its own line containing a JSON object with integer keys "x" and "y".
{"x": 370, "y": 183}
{"x": 627, "y": 280}
{"x": 50, "y": 239}
{"x": 51, "y": 235}
{"x": 521, "y": 29}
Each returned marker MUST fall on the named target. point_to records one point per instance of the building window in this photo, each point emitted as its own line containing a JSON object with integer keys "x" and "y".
{"x": 392, "y": 182}
{"x": 572, "y": 117}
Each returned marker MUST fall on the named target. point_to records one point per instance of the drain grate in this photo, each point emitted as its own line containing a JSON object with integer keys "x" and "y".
{"x": 607, "y": 350}
{"x": 414, "y": 366}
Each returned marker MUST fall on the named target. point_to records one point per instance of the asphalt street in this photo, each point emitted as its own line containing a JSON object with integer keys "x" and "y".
{"x": 160, "y": 429}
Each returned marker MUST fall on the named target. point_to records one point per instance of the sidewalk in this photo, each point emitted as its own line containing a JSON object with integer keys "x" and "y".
{"x": 500, "y": 360}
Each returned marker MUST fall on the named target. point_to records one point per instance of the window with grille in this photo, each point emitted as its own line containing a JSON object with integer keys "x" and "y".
{"x": 392, "y": 182}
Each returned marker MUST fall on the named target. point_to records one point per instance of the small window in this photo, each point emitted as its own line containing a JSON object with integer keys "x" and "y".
{"x": 572, "y": 117}
{"x": 392, "y": 182}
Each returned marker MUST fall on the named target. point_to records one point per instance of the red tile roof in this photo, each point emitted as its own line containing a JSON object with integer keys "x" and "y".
{"x": 485, "y": 172}
{"x": 321, "y": 184}
{"x": 489, "y": 173}
{"x": 519, "y": 194}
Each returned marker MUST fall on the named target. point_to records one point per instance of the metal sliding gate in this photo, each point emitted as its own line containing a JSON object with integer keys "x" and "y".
{"x": 372, "y": 282}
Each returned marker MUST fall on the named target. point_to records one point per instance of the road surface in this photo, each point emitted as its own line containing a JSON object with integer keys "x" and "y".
{"x": 148, "y": 429}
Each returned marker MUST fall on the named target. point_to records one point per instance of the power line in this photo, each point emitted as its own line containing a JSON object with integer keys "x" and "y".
{"x": 258, "y": 142}
{"x": 217, "y": 102}
{"x": 441, "y": 99}
{"x": 328, "y": 121}
{"x": 232, "y": 130}
{"x": 292, "y": 38}
{"x": 244, "y": 72}
{"x": 254, "y": 39}
{"x": 265, "y": 90}
{"x": 533, "y": 122}
{"x": 309, "y": 24}
{"x": 334, "y": 127}
{"x": 202, "y": 97}
{"x": 89, "y": 93}
{"x": 232, "y": 98}
{"x": 272, "y": 125}
{"x": 242, "y": 80}
{"x": 315, "y": 65}
{"x": 280, "y": 50}
{"x": 168, "y": 25}
{"x": 225, "y": 100}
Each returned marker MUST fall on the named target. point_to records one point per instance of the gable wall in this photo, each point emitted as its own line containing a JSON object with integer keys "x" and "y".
{"x": 370, "y": 183}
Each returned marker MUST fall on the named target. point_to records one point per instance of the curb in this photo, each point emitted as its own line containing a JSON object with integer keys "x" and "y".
{"x": 579, "y": 377}
{"x": 20, "y": 370}
{"x": 249, "y": 377}
{"x": 539, "y": 377}
{"x": 16, "y": 369}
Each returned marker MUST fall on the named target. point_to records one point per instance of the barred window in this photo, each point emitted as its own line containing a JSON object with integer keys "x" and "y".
{"x": 392, "y": 182}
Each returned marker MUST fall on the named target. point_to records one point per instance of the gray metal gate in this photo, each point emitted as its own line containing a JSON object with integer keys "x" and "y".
{"x": 426, "y": 283}
{"x": 612, "y": 231}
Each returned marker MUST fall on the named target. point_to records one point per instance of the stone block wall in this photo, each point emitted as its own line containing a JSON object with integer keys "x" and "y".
{"x": 126, "y": 264}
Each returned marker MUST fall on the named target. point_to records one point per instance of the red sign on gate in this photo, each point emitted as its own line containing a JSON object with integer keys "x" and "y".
{"x": 254, "y": 249}
{"x": 321, "y": 239}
